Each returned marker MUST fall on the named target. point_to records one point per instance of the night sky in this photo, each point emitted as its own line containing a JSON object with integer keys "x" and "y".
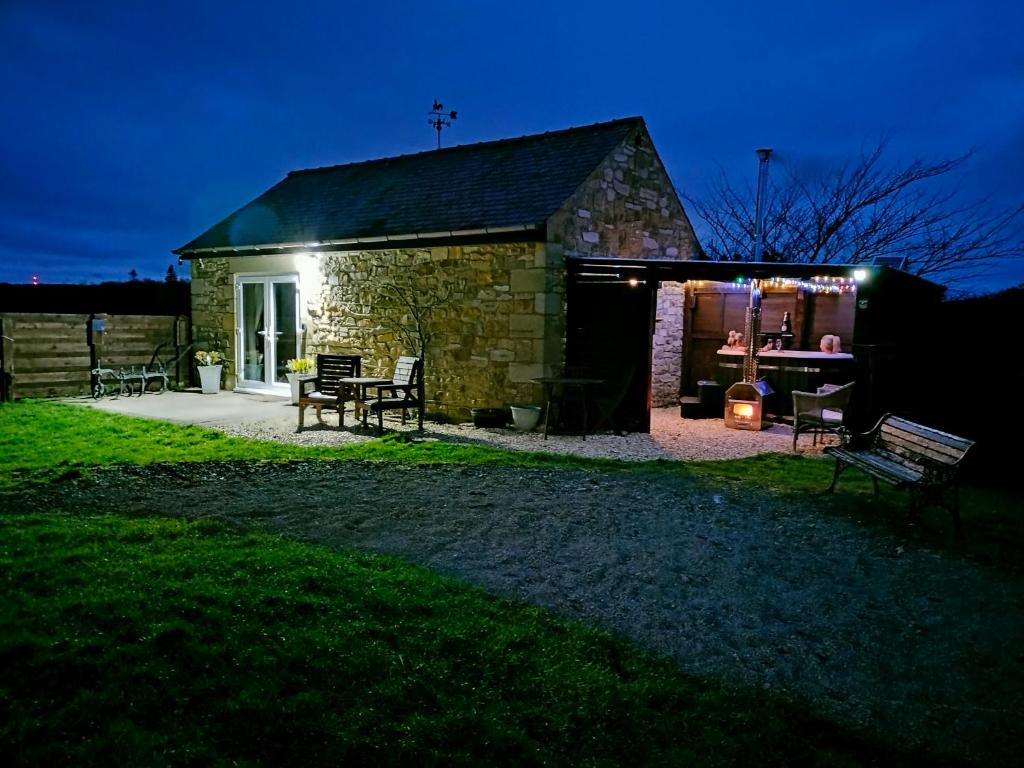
{"x": 129, "y": 128}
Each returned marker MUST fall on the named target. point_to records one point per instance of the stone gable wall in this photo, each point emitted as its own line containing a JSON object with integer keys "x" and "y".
{"x": 627, "y": 208}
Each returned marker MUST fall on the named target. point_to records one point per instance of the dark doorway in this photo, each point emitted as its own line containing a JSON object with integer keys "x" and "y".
{"x": 609, "y": 330}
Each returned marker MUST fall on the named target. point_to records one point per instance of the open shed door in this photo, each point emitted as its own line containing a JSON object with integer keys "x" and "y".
{"x": 610, "y": 326}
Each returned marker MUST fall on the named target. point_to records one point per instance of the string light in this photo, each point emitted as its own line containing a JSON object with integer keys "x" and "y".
{"x": 818, "y": 284}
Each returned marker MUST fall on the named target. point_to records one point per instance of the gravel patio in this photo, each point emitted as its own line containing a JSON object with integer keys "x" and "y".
{"x": 790, "y": 595}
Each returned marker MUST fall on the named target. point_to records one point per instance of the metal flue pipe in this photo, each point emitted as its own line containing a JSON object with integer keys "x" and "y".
{"x": 762, "y": 186}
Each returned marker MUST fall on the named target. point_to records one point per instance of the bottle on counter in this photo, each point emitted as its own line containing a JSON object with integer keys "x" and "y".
{"x": 787, "y": 326}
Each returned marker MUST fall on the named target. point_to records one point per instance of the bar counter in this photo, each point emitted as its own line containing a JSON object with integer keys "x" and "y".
{"x": 787, "y": 370}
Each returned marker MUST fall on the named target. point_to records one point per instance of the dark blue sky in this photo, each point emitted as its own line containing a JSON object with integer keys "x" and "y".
{"x": 131, "y": 127}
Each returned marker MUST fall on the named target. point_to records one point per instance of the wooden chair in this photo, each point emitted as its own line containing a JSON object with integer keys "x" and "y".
{"x": 820, "y": 412}
{"x": 327, "y": 390}
{"x": 402, "y": 392}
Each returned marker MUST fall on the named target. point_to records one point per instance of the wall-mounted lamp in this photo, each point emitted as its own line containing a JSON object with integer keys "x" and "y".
{"x": 860, "y": 275}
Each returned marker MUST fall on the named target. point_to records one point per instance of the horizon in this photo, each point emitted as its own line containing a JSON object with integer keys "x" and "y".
{"x": 124, "y": 148}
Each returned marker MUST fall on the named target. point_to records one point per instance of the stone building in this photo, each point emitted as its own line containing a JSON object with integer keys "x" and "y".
{"x": 471, "y": 241}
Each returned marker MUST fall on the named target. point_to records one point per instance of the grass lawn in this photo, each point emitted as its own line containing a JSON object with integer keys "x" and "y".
{"x": 157, "y": 642}
{"x": 153, "y": 641}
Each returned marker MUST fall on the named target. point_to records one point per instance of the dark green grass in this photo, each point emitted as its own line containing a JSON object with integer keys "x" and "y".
{"x": 165, "y": 642}
{"x": 44, "y": 441}
{"x": 41, "y": 441}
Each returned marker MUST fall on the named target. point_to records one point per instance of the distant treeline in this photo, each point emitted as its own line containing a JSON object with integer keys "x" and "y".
{"x": 137, "y": 297}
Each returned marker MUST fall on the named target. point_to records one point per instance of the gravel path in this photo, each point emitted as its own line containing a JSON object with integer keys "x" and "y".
{"x": 670, "y": 438}
{"x": 733, "y": 584}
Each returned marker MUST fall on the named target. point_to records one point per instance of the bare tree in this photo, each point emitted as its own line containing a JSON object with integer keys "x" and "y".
{"x": 408, "y": 308}
{"x": 864, "y": 208}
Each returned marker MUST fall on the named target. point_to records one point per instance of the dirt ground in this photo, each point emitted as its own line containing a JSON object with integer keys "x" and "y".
{"x": 860, "y": 623}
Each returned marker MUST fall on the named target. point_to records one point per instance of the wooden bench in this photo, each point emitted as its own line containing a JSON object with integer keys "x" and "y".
{"x": 327, "y": 389}
{"x": 402, "y": 392}
{"x": 903, "y": 454}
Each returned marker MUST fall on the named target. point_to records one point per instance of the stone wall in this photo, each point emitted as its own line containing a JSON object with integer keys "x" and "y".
{"x": 627, "y": 207}
{"x": 667, "y": 357}
{"x": 213, "y": 310}
{"x": 498, "y": 321}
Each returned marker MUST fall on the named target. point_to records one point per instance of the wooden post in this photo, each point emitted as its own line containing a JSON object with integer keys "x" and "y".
{"x": 5, "y": 384}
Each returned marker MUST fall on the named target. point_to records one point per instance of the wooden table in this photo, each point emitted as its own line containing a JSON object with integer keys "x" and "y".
{"x": 553, "y": 385}
{"x": 359, "y": 385}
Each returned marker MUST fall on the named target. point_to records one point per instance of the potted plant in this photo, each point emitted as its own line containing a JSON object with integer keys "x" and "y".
{"x": 209, "y": 365}
{"x": 299, "y": 369}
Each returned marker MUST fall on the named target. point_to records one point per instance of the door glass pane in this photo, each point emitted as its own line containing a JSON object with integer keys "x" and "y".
{"x": 253, "y": 328}
{"x": 286, "y": 332}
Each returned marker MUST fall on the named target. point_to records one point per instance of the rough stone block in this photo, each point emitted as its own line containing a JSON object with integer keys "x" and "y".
{"x": 502, "y": 355}
{"x": 591, "y": 237}
{"x": 528, "y": 280}
{"x": 547, "y": 303}
{"x": 530, "y": 326}
{"x": 524, "y": 372}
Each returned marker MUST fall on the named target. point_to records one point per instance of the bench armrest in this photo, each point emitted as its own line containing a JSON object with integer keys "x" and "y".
{"x": 936, "y": 472}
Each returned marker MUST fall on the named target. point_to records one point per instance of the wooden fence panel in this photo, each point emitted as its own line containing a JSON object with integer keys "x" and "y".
{"x": 48, "y": 354}
{"x": 51, "y": 355}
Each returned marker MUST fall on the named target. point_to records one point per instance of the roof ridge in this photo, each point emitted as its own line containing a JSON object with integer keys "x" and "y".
{"x": 475, "y": 145}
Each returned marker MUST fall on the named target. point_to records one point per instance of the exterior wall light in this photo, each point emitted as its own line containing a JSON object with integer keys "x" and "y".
{"x": 860, "y": 275}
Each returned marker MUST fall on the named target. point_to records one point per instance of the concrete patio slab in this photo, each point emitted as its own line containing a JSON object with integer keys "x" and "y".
{"x": 223, "y": 409}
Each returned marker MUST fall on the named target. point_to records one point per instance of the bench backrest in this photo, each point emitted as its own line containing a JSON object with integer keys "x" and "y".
{"x": 330, "y": 369}
{"x": 917, "y": 446}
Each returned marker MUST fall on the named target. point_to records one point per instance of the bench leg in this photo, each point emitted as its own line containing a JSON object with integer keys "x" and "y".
{"x": 839, "y": 469}
{"x": 874, "y": 482}
{"x": 955, "y": 509}
{"x": 380, "y": 421}
{"x": 302, "y": 412}
{"x": 319, "y": 413}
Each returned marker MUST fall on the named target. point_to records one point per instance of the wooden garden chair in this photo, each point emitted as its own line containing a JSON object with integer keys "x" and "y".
{"x": 327, "y": 390}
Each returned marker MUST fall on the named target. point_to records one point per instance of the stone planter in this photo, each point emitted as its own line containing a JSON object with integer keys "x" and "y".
{"x": 295, "y": 380}
{"x": 525, "y": 417}
{"x": 209, "y": 378}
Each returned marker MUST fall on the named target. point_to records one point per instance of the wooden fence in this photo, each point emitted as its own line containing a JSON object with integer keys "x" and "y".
{"x": 51, "y": 355}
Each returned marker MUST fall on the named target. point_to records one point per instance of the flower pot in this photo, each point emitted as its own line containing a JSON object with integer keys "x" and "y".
{"x": 490, "y": 417}
{"x": 525, "y": 417}
{"x": 209, "y": 378}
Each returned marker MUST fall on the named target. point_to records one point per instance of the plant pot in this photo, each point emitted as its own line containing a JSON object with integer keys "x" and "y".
{"x": 525, "y": 417}
{"x": 490, "y": 417}
{"x": 209, "y": 378}
{"x": 295, "y": 380}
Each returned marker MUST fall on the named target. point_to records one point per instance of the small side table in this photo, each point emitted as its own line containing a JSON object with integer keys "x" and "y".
{"x": 554, "y": 392}
{"x": 359, "y": 385}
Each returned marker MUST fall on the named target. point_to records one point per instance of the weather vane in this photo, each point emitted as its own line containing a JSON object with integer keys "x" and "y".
{"x": 440, "y": 119}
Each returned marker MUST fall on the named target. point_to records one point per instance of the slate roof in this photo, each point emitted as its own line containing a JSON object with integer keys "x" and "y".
{"x": 506, "y": 183}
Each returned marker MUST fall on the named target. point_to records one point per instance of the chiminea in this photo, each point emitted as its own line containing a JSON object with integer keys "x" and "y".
{"x": 744, "y": 405}
{"x": 744, "y": 400}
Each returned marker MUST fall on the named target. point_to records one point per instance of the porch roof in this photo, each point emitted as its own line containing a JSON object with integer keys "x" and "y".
{"x": 610, "y": 269}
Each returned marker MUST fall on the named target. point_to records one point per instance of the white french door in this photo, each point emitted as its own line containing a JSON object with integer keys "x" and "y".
{"x": 267, "y": 313}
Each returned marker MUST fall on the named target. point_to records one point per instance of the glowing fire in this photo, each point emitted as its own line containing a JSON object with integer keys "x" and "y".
{"x": 743, "y": 410}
